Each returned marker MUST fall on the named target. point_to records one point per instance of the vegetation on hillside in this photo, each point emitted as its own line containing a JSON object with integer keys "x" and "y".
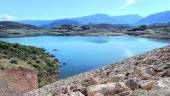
{"x": 160, "y": 27}
{"x": 29, "y": 57}
{"x": 15, "y": 25}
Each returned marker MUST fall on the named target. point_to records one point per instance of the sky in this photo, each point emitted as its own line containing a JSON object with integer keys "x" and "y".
{"x": 57, "y": 9}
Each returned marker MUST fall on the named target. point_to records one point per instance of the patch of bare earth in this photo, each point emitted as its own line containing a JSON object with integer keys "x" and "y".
{"x": 16, "y": 81}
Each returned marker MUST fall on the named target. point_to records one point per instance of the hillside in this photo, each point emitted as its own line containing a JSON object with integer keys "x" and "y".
{"x": 162, "y": 17}
{"x": 28, "y": 58}
{"x": 15, "y": 25}
{"x": 36, "y": 22}
{"x": 62, "y": 22}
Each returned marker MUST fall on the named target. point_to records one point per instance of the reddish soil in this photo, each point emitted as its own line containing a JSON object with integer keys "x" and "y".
{"x": 18, "y": 81}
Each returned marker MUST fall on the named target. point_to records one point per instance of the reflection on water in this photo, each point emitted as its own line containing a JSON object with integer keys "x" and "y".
{"x": 81, "y": 53}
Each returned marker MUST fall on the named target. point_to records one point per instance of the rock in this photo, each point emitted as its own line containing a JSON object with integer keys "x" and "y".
{"x": 107, "y": 71}
{"x": 168, "y": 73}
{"x": 167, "y": 66}
{"x": 140, "y": 92}
{"x": 125, "y": 93}
{"x": 89, "y": 82}
{"x": 74, "y": 87}
{"x": 123, "y": 86}
{"x": 64, "y": 90}
{"x": 150, "y": 71}
{"x": 163, "y": 73}
{"x": 117, "y": 78}
{"x": 148, "y": 85}
{"x": 163, "y": 83}
{"x": 133, "y": 83}
{"x": 161, "y": 88}
{"x": 83, "y": 90}
{"x": 76, "y": 94}
{"x": 142, "y": 73}
{"x": 108, "y": 89}
{"x": 103, "y": 80}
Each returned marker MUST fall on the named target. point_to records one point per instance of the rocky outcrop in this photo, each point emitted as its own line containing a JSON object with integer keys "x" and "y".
{"x": 143, "y": 75}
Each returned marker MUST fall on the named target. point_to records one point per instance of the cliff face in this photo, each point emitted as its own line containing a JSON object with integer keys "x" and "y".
{"x": 16, "y": 81}
{"x": 144, "y": 75}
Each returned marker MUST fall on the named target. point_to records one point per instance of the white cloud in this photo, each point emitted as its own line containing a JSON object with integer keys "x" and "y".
{"x": 128, "y": 3}
{"x": 6, "y": 18}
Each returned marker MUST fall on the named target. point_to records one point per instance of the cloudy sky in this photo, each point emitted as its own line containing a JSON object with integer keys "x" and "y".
{"x": 55, "y": 9}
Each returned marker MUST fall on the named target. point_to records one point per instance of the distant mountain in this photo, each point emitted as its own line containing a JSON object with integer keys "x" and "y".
{"x": 95, "y": 19}
{"x": 91, "y": 19}
{"x": 162, "y": 17}
{"x": 127, "y": 19}
{"x": 15, "y": 25}
{"x": 62, "y": 22}
{"x": 36, "y": 22}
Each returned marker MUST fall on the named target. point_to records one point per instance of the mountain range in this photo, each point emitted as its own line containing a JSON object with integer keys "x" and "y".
{"x": 162, "y": 17}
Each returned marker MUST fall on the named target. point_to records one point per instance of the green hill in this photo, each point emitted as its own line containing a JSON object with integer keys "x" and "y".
{"x": 15, "y": 25}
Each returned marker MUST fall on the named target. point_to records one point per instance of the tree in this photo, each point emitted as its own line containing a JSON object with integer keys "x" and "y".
{"x": 142, "y": 27}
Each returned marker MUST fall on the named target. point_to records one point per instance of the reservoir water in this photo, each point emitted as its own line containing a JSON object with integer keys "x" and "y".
{"x": 83, "y": 53}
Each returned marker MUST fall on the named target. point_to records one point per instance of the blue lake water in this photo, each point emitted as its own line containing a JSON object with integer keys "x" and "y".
{"x": 82, "y": 53}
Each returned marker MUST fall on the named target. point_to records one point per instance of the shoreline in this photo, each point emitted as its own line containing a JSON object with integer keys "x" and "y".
{"x": 32, "y": 33}
{"x": 119, "y": 69}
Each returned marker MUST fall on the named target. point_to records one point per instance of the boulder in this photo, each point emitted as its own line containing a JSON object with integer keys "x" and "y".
{"x": 83, "y": 90}
{"x": 143, "y": 74}
{"x": 108, "y": 89}
{"x": 167, "y": 66}
{"x": 123, "y": 86}
{"x": 150, "y": 71}
{"x": 147, "y": 85}
{"x": 168, "y": 73}
{"x": 103, "y": 80}
{"x": 89, "y": 82}
{"x": 117, "y": 78}
{"x": 133, "y": 83}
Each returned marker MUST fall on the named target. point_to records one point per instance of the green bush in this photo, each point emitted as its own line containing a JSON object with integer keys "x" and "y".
{"x": 14, "y": 61}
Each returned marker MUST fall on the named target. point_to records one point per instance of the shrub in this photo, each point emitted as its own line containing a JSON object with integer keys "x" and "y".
{"x": 14, "y": 61}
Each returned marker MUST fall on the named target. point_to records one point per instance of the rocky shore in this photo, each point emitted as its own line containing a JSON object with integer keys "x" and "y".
{"x": 144, "y": 75}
